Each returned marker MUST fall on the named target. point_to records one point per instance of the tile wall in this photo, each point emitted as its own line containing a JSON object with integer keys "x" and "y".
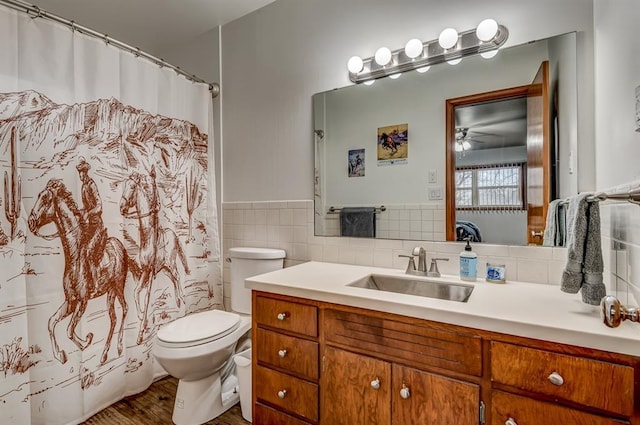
{"x": 289, "y": 225}
{"x": 403, "y": 221}
{"x": 621, "y": 247}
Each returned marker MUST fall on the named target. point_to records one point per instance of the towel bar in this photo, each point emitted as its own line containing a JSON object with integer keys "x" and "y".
{"x": 632, "y": 196}
{"x": 334, "y": 210}
{"x": 613, "y": 313}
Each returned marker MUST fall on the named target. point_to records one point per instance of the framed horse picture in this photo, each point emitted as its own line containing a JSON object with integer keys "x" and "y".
{"x": 393, "y": 144}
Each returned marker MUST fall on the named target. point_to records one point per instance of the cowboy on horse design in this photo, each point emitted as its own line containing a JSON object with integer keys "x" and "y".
{"x": 94, "y": 234}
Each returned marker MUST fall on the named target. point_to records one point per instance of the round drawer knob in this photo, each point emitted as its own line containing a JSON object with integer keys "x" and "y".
{"x": 404, "y": 392}
{"x": 510, "y": 421}
{"x": 282, "y": 316}
{"x": 282, "y": 353}
{"x": 282, "y": 393}
{"x": 375, "y": 384}
{"x": 556, "y": 379}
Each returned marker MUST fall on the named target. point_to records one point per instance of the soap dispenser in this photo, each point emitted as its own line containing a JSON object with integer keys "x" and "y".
{"x": 468, "y": 263}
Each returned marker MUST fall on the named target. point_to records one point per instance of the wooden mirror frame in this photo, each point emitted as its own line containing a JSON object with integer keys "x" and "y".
{"x": 450, "y": 158}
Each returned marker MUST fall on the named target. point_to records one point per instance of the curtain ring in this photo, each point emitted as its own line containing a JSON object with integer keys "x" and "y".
{"x": 39, "y": 15}
{"x": 137, "y": 52}
{"x": 161, "y": 63}
{"x": 106, "y": 39}
{"x": 73, "y": 26}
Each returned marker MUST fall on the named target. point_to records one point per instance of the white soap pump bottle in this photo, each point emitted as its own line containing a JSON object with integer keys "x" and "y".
{"x": 468, "y": 263}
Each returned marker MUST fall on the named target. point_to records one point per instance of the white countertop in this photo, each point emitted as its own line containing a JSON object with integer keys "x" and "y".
{"x": 516, "y": 308}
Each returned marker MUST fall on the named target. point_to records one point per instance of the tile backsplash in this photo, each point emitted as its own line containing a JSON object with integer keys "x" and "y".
{"x": 621, "y": 247}
{"x": 402, "y": 221}
{"x": 289, "y": 225}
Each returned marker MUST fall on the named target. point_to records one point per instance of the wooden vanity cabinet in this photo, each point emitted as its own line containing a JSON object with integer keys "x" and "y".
{"x": 352, "y": 366}
{"x": 376, "y": 370}
{"x": 285, "y": 361}
{"x": 550, "y": 387}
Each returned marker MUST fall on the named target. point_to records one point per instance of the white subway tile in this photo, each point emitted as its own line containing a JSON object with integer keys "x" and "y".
{"x": 531, "y": 252}
{"x": 299, "y": 217}
{"x": 314, "y": 251}
{"x": 299, "y": 234}
{"x": 383, "y": 257}
{"x": 297, "y": 204}
{"x": 532, "y": 271}
{"x": 286, "y": 217}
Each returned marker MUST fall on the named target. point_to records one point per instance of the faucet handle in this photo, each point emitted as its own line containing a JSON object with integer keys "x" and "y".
{"x": 411, "y": 267}
{"x": 433, "y": 268}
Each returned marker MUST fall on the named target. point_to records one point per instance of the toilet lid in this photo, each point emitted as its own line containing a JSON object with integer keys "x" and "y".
{"x": 199, "y": 328}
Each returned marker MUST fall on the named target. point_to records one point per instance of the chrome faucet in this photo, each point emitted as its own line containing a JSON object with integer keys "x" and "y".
{"x": 422, "y": 258}
{"x": 421, "y": 270}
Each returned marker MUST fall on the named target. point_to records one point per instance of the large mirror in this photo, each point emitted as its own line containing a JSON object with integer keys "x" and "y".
{"x": 390, "y": 147}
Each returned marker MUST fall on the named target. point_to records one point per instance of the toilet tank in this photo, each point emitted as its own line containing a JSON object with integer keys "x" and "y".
{"x": 247, "y": 262}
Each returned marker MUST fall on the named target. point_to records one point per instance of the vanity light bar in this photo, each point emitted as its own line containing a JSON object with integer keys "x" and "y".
{"x": 468, "y": 44}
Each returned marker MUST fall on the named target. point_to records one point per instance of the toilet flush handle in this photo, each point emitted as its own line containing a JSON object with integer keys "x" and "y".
{"x": 282, "y": 353}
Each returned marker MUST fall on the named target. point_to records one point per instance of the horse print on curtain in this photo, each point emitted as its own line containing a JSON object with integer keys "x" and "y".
{"x": 113, "y": 211}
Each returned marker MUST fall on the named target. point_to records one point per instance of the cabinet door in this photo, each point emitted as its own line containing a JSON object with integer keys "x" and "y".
{"x": 425, "y": 398}
{"x": 355, "y": 389}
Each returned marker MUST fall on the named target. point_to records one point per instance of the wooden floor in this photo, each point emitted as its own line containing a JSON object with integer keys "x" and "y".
{"x": 154, "y": 407}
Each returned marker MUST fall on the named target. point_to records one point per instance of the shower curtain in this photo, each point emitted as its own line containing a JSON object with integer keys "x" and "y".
{"x": 107, "y": 221}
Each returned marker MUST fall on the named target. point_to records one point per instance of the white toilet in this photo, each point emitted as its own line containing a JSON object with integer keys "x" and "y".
{"x": 197, "y": 349}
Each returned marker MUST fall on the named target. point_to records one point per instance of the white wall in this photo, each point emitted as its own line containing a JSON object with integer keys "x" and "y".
{"x": 276, "y": 58}
{"x": 617, "y": 71}
{"x": 201, "y": 56}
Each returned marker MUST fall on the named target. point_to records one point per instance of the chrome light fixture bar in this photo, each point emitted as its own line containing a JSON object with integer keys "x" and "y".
{"x": 432, "y": 53}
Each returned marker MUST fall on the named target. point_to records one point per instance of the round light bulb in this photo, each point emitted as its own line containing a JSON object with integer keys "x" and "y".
{"x": 448, "y": 38}
{"x": 454, "y": 61}
{"x": 395, "y": 76}
{"x": 369, "y": 82}
{"x": 355, "y": 64}
{"x": 383, "y": 56}
{"x": 423, "y": 69}
{"x": 413, "y": 48}
{"x": 486, "y": 30}
{"x": 489, "y": 54}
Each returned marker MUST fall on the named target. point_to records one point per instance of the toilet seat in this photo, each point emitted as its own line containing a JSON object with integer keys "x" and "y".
{"x": 198, "y": 328}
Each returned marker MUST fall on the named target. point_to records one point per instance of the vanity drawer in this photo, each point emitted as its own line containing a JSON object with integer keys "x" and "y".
{"x": 593, "y": 383}
{"x": 418, "y": 345}
{"x": 525, "y": 411}
{"x": 286, "y": 392}
{"x": 286, "y": 315}
{"x": 295, "y": 355}
{"x": 264, "y": 415}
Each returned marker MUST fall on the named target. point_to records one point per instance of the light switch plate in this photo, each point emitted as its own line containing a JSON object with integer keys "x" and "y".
{"x": 435, "y": 193}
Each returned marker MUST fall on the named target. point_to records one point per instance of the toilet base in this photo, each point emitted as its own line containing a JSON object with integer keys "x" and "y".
{"x": 200, "y": 401}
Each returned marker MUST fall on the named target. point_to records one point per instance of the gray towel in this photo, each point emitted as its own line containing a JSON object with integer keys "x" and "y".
{"x": 554, "y": 231}
{"x": 358, "y": 222}
{"x": 584, "y": 264}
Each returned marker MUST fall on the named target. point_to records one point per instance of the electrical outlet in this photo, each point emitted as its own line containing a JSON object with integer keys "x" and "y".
{"x": 433, "y": 176}
{"x": 435, "y": 193}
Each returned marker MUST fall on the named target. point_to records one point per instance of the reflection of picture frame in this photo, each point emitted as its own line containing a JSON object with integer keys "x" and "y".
{"x": 356, "y": 163}
{"x": 638, "y": 108}
{"x": 393, "y": 144}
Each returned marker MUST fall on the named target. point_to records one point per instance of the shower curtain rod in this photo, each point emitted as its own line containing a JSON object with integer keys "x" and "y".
{"x": 36, "y": 12}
